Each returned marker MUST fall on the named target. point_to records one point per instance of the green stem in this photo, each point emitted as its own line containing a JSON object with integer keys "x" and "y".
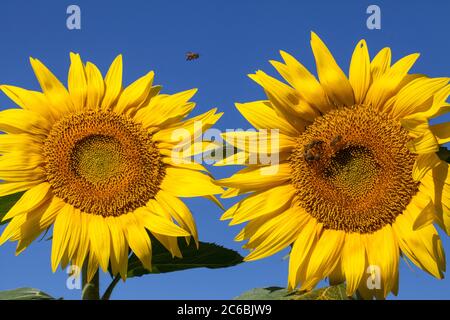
{"x": 111, "y": 287}
{"x": 91, "y": 290}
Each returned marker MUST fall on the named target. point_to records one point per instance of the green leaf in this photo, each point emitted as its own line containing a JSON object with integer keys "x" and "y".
{"x": 7, "y": 202}
{"x": 208, "y": 255}
{"x": 270, "y": 293}
{"x": 24, "y": 294}
{"x": 444, "y": 154}
{"x": 277, "y": 293}
{"x": 327, "y": 293}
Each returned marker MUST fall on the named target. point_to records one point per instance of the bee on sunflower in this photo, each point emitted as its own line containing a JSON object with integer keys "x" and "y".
{"x": 358, "y": 183}
{"x": 96, "y": 161}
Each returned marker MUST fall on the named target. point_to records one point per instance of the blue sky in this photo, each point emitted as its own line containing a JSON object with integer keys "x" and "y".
{"x": 234, "y": 38}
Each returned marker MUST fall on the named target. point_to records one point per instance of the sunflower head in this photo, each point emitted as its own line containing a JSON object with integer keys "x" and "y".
{"x": 96, "y": 161}
{"x": 358, "y": 181}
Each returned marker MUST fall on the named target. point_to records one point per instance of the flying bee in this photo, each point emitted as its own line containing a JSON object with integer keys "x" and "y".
{"x": 335, "y": 141}
{"x": 192, "y": 56}
{"x": 313, "y": 150}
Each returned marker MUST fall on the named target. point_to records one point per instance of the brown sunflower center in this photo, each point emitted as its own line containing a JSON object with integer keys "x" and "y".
{"x": 353, "y": 171}
{"x": 102, "y": 163}
{"x": 98, "y": 158}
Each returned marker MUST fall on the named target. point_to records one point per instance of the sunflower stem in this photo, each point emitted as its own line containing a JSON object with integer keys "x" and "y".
{"x": 110, "y": 288}
{"x": 91, "y": 289}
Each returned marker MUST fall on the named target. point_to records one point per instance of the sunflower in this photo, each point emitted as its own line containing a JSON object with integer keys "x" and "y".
{"x": 100, "y": 164}
{"x": 358, "y": 182}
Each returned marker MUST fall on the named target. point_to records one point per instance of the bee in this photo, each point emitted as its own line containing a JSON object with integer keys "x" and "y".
{"x": 335, "y": 141}
{"x": 313, "y": 150}
{"x": 192, "y": 56}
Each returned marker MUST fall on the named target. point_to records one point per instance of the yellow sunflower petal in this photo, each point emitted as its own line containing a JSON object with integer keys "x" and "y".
{"x": 381, "y": 63}
{"x": 170, "y": 243}
{"x": 7, "y": 188}
{"x": 99, "y": 238}
{"x": 324, "y": 257}
{"x": 412, "y": 98}
{"x": 388, "y": 83}
{"x": 215, "y": 200}
{"x": 187, "y": 130}
{"x": 261, "y": 142}
{"x": 183, "y": 163}
{"x": 53, "y": 89}
{"x": 19, "y": 142}
{"x": 30, "y": 200}
{"x": 156, "y": 223}
{"x": 415, "y": 126}
{"x": 28, "y": 232}
{"x": 276, "y": 234}
{"x": 23, "y": 121}
{"x": 438, "y": 107}
{"x": 441, "y": 132}
{"x": 13, "y": 227}
{"x": 424, "y": 163}
{"x": 77, "y": 82}
{"x": 382, "y": 251}
{"x": 119, "y": 247}
{"x": 30, "y": 100}
{"x": 179, "y": 211}
{"x": 425, "y": 143}
{"x": 188, "y": 183}
{"x": 262, "y": 116}
{"x": 37, "y": 173}
{"x": 253, "y": 226}
{"x": 306, "y": 84}
{"x": 165, "y": 110}
{"x": 135, "y": 94}
{"x": 138, "y": 240}
{"x": 436, "y": 185}
{"x": 61, "y": 235}
{"x": 84, "y": 244}
{"x": 353, "y": 261}
{"x": 29, "y": 229}
{"x": 184, "y": 151}
{"x": 75, "y": 233}
{"x": 359, "y": 74}
{"x": 423, "y": 246}
{"x": 332, "y": 78}
{"x": 301, "y": 251}
{"x": 20, "y": 161}
{"x": 423, "y": 209}
{"x": 260, "y": 203}
{"x": 92, "y": 266}
{"x": 286, "y": 100}
{"x": 95, "y": 86}
{"x": 113, "y": 83}
{"x": 258, "y": 178}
